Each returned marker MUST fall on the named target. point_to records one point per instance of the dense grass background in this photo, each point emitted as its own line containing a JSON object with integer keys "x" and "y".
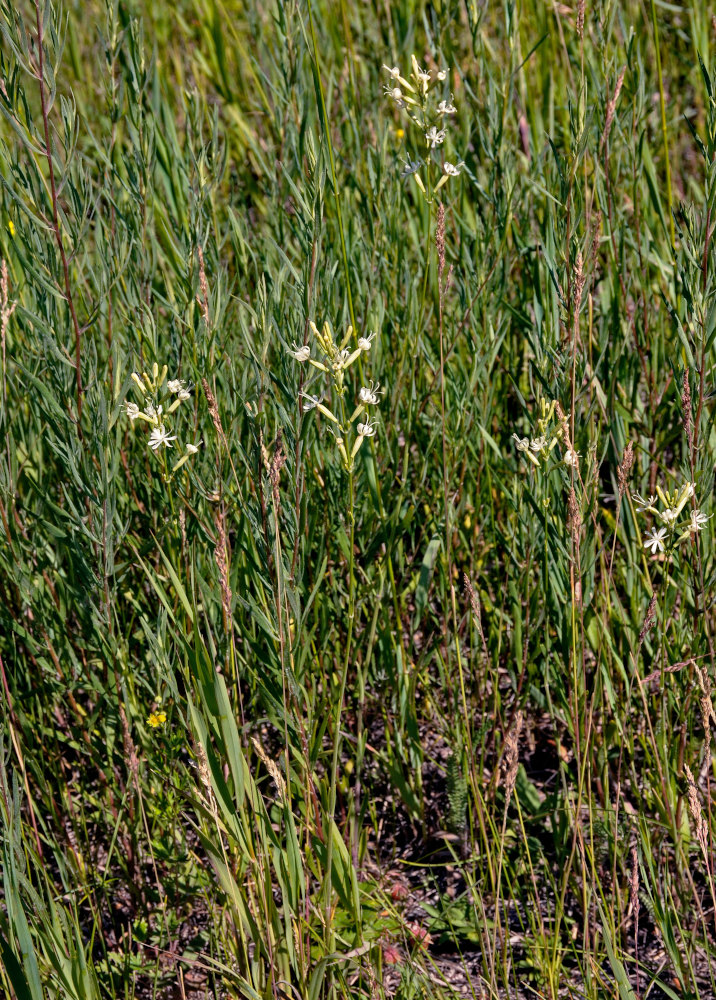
{"x": 436, "y": 725}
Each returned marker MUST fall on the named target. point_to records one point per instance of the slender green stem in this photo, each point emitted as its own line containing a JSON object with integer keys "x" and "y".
{"x": 426, "y": 274}
{"x": 662, "y": 105}
{"x": 332, "y": 792}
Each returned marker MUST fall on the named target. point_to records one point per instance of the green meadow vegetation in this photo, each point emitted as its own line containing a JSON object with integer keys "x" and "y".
{"x": 357, "y": 456}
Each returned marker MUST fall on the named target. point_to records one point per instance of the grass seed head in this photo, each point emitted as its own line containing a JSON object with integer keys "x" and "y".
{"x": 696, "y": 811}
{"x": 625, "y": 468}
{"x": 649, "y": 619}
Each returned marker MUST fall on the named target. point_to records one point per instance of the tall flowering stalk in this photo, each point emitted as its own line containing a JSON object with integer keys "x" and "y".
{"x": 672, "y": 527}
{"x": 333, "y": 360}
{"x": 427, "y": 104}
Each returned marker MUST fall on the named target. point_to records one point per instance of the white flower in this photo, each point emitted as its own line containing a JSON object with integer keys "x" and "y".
{"x": 393, "y": 70}
{"x": 309, "y": 401}
{"x": 423, "y": 77}
{"x": 396, "y": 94}
{"x": 452, "y": 169}
{"x": 160, "y": 436}
{"x": 435, "y": 137}
{"x": 301, "y": 354}
{"x": 441, "y": 75}
{"x": 446, "y": 109}
{"x": 175, "y": 385}
{"x": 571, "y": 458}
{"x": 132, "y": 411}
{"x": 183, "y": 394}
{"x": 655, "y": 541}
{"x": 411, "y": 167}
{"x": 669, "y": 515}
{"x": 642, "y": 503}
{"x": 365, "y": 342}
{"x": 538, "y": 444}
{"x": 521, "y": 444}
{"x": 367, "y": 429}
{"x": 698, "y": 520}
{"x": 369, "y": 396}
{"x": 192, "y": 448}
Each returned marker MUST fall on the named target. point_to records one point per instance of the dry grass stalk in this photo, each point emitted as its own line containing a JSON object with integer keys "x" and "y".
{"x": 476, "y": 610}
{"x": 202, "y": 766}
{"x": 580, "y": 280}
{"x": 265, "y": 457}
{"x": 580, "y": 19}
{"x": 574, "y": 524}
{"x": 574, "y": 517}
{"x": 708, "y": 715}
{"x": 203, "y": 297}
{"x": 594, "y": 248}
{"x": 649, "y": 619}
{"x": 182, "y": 528}
{"x": 274, "y": 466}
{"x": 272, "y": 769}
{"x": 512, "y": 757}
{"x": 625, "y": 468}
{"x": 686, "y": 407}
{"x": 697, "y": 816}
{"x": 634, "y": 887}
{"x": 6, "y": 311}
{"x": 214, "y": 411}
{"x": 440, "y": 239}
{"x": 474, "y": 602}
{"x": 278, "y": 462}
{"x": 611, "y": 109}
{"x": 634, "y": 904}
{"x": 221, "y": 557}
{"x": 673, "y": 668}
{"x": 130, "y": 751}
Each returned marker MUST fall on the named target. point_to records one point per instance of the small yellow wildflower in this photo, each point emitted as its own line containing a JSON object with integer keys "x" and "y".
{"x": 11, "y": 228}
{"x": 400, "y": 133}
{"x": 157, "y": 719}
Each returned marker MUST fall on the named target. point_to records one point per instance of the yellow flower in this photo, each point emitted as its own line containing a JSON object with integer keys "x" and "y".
{"x": 399, "y": 133}
{"x": 157, "y": 719}
{"x": 11, "y": 228}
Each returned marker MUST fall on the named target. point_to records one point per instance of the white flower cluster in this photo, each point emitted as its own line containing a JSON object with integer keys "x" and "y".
{"x": 420, "y": 101}
{"x": 334, "y": 361}
{"x": 158, "y": 403}
{"x": 539, "y": 448}
{"x": 672, "y": 533}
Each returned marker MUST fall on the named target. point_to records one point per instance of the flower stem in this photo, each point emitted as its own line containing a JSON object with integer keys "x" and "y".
{"x": 332, "y": 792}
